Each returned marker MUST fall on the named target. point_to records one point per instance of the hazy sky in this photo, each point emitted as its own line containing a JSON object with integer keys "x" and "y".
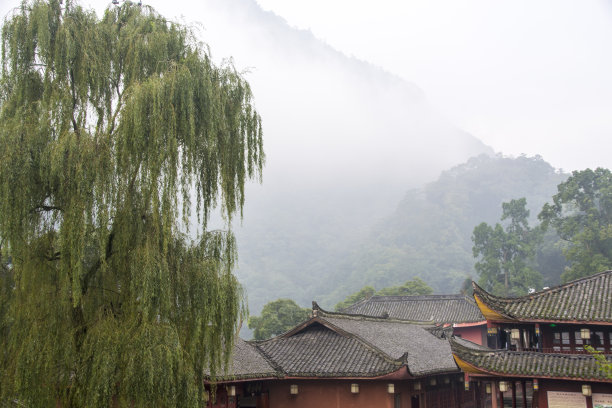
{"x": 529, "y": 76}
{"x": 524, "y": 76}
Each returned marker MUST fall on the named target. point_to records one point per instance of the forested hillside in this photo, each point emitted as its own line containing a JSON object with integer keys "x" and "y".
{"x": 429, "y": 234}
{"x": 343, "y": 139}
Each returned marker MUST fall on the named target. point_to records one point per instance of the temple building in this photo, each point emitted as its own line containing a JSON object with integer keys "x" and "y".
{"x": 535, "y": 355}
{"x": 342, "y": 360}
{"x": 438, "y": 351}
{"x": 458, "y": 311}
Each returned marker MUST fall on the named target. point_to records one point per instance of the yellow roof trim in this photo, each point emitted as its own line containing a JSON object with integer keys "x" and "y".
{"x": 489, "y": 313}
{"x": 467, "y": 367}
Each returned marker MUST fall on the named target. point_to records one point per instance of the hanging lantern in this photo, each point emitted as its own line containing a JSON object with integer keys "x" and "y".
{"x": 586, "y": 390}
{"x": 391, "y": 388}
{"x": 504, "y": 386}
{"x": 585, "y": 333}
{"x": 355, "y": 388}
{"x": 293, "y": 389}
{"x": 515, "y": 334}
{"x": 488, "y": 388}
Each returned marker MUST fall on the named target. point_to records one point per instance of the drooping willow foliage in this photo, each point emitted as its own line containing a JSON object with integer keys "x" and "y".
{"x": 111, "y": 131}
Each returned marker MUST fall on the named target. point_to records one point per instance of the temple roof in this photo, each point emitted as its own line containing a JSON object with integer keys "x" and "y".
{"x": 586, "y": 300}
{"x": 476, "y": 359}
{"x": 433, "y": 308}
{"x": 318, "y": 351}
{"x": 248, "y": 362}
{"x": 413, "y": 344}
{"x": 338, "y": 345}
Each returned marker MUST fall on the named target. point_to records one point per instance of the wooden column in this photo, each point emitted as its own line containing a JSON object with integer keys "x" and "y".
{"x": 513, "y": 394}
{"x": 263, "y": 401}
{"x": 494, "y": 395}
{"x": 524, "y": 388}
{"x": 476, "y": 394}
{"x": 589, "y": 401}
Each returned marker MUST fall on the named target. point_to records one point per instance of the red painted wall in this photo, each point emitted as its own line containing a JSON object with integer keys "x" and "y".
{"x": 475, "y": 334}
{"x": 333, "y": 394}
{"x": 372, "y": 394}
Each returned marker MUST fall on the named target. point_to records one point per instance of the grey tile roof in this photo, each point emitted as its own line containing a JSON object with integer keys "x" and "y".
{"x": 529, "y": 364}
{"x": 584, "y": 300}
{"x": 422, "y": 351}
{"x": 433, "y": 308}
{"x": 321, "y": 352}
{"x": 337, "y": 345}
{"x": 248, "y": 362}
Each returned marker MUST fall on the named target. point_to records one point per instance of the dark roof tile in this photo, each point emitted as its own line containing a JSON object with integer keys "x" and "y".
{"x": 247, "y": 362}
{"x": 422, "y": 351}
{"x": 584, "y": 300}
{"x": 338, "y": 345}
{"x": 429, "y": 308}
{"x": 529, "y": 364}
{"x": 319, "y": 351}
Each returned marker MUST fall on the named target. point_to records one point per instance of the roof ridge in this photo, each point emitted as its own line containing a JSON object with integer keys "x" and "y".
{"x": 415, "y": 297}
{"x": 325, "y": 313}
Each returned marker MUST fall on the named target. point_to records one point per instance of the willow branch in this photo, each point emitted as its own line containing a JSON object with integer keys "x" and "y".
{"x": 46, "y": 208}
{"x": 94, "y": 268}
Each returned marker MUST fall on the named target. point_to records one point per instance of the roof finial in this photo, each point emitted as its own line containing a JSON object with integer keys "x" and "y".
{"x": 315, "y": 309}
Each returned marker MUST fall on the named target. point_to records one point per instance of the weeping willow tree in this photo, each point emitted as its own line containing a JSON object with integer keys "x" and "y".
{"x": 114, "y": 132}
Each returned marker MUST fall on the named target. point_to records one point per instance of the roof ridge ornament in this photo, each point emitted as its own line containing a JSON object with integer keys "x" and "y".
{"x": 315, "y": 309}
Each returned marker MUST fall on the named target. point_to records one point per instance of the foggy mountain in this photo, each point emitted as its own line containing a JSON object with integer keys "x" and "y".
{"x": 344, "y": 141}
{"x": 429, "y": 233}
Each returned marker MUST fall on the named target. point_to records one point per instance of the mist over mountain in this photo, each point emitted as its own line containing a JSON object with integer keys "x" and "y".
{"x": 344, "y": 140}
{"x": 429, "y": 233}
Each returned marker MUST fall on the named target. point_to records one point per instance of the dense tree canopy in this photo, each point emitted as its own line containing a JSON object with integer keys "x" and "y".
{"x": 581, "y": 213}
{"x": 413, "y": 287}
{"x": 276, "y": 318}
{"x": 363, "y": 293}
{"x": 505, "y": 254}
{"x": 112, "y": 131}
